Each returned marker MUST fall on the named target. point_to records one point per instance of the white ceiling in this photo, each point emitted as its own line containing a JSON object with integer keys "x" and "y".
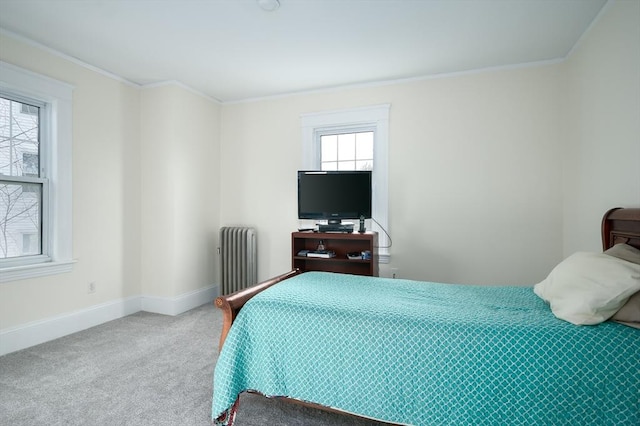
{"x": 233, "y": 50}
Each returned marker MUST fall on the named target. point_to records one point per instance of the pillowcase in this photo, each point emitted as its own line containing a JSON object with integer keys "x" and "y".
{"x": 588, "y": 288}
{"x": 630, "y": 311}
{"x": 626, "y": 252}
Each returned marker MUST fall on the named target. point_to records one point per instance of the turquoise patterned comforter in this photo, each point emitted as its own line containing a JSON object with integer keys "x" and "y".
{"x": 428, "y": 354}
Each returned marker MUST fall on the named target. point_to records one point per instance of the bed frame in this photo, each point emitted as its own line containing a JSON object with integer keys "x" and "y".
{"x": 619, "y": 225}
{"x": 232, "y": 303}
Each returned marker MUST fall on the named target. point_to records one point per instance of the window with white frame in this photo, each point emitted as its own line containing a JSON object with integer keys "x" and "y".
{"x": 353, "y": 139}
{"x": 35, "y": 174}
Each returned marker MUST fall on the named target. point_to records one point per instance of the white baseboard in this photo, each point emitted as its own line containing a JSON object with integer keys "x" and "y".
{"x": 179, "y": 304}
{"x": 33, "y": 333}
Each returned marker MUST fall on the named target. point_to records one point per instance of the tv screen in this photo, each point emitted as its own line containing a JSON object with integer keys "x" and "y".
{"x": 334, "y": 195}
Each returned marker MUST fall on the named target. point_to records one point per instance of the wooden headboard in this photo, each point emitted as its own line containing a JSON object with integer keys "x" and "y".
{"x": 621, "y": 225}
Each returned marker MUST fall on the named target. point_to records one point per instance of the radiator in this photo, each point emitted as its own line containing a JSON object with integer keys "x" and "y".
{"x": 238, "y": 258}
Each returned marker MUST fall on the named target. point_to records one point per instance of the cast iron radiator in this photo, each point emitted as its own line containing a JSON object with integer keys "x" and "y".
{"x": 238, "y": 258}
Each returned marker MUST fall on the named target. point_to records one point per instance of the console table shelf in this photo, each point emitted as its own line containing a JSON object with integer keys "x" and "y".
{"x": 341, "y": 244}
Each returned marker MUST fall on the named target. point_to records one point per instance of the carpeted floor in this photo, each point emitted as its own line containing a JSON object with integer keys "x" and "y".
{"x": 144, "y": 369}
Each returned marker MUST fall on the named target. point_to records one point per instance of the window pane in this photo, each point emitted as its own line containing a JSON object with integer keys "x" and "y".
{"x": 346, "y": 165}
{"x": 330, "y": 165}
{"x": 20, "y": 207}
{"x": 30, "y": 244}
{"x": 364, "y": 165}
{"x": 347, "y": 146}
{"x": 30, "y": 164}
{"x": 19, "y": 135}
{"x": 329, "y": 147}
{"x": 364, "y": 146}
{"x": 5, "y": 118}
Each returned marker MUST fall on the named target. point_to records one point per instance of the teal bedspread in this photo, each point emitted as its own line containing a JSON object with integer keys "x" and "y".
{"x": 428, "y": 354}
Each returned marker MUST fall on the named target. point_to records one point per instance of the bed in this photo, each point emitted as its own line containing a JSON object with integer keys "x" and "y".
{"x": 415, "y": 353}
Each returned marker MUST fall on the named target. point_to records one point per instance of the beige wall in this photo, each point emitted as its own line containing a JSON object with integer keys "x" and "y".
{"x": 602, "y": 144}
{"x": 180, "y": 191}
{"x": 484, "y": 206}
{"x": 474, "y": 173}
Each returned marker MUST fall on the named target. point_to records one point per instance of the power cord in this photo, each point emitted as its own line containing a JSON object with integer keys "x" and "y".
{"x": 386, "y": 233}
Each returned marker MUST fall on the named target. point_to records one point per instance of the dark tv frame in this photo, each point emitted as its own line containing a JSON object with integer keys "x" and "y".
{"x": 341, "y": 183}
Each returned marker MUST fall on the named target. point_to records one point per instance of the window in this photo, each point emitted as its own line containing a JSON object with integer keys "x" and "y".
{"x": 353, "y": 139}
{"x": 347, "y": 151}
{"x": 35, "y": 174}
{"x": 21, "y": 186}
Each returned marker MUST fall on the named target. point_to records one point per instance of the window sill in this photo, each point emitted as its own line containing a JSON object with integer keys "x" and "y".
{"x": 15, "y": 273}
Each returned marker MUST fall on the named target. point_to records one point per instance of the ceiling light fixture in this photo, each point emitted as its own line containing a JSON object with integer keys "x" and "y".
{"x": 269, "y": 5}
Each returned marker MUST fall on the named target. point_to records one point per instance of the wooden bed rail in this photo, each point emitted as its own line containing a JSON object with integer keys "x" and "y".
{"x": 232, "y": 303}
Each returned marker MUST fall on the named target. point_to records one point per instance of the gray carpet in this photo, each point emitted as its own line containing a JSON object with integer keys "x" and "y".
{"x": 144, "y": 369}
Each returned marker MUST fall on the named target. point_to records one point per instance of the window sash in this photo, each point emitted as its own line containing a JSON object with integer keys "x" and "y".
{"x": 343, "y": 131}
{"x": 41, "y": 179}
{"x": 44, "y": 255}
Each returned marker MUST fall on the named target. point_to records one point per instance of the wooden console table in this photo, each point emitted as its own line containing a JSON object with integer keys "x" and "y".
{"x": 341, "y": 244}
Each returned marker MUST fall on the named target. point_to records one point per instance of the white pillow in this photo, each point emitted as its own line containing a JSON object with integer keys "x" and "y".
{"x": 588, "y": 288}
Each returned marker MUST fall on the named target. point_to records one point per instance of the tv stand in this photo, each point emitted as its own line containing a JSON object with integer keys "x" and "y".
{"x": 341, "y": 244}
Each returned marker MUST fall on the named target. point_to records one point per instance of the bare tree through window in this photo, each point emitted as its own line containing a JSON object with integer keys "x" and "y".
{"x": 21, "y": 186}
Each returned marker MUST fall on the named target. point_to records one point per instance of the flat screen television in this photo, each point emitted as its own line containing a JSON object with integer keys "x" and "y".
{"x": 334, "y": 195}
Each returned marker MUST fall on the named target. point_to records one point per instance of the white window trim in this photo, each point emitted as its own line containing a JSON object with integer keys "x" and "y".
{"x": 370, "y": 117}
{"x": 59, "y": 96}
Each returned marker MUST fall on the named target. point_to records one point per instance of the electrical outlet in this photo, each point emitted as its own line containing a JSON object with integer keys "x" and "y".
{"x": 394, "y": 272}
{"x": 92, "y": 287}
